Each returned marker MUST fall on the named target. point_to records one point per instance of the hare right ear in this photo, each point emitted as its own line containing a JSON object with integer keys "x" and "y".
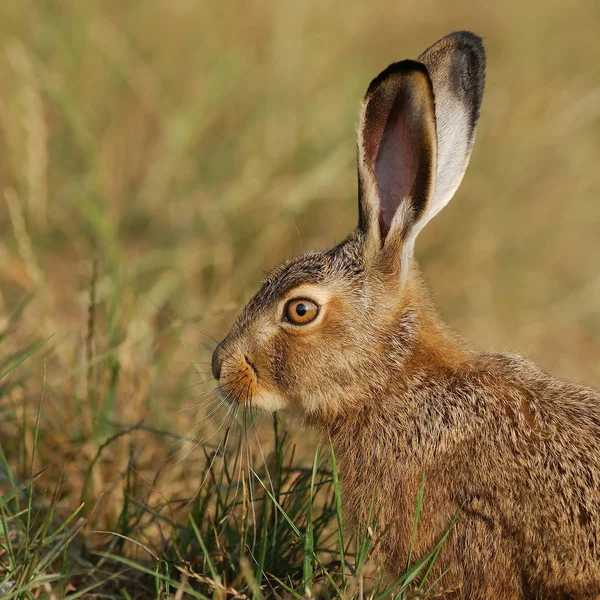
{"x": 415, "y": 136}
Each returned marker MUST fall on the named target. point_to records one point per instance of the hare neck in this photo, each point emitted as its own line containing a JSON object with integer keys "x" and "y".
{"x": 420, "y": 353}
{"x": 433, "y": 349}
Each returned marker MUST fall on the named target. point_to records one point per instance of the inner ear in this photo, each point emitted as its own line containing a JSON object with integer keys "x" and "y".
{"x": 398, "y": 142}
{"x": 399, "y": 174}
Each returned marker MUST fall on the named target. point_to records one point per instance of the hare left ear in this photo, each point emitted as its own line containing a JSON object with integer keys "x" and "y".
{"x": 416, "y": 131}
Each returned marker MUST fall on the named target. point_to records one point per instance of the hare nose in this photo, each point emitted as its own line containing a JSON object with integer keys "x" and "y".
{"x": 216, "y": 362}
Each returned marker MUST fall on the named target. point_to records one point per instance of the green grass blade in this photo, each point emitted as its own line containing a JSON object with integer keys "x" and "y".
{"x": 143, "y": 569}
{"x": 23, "y": 591}
{"x": 250, "y": 579}
{"x": 309, "y": 550}
{"x": 211, "y": 567}
{"x": 439, "y": 546}
{"x": 338, "y": 511}
{"x": 298, "y": 534}
{"x": 13, "y": 493}
{"x": 264, "y": 537}
{"x": 25, "y": 357}
{"x": 5, "y": 534}
{"x": 418, "y": 508}
{"x": 93, "y": 586}
{"x": 129, "y": 539}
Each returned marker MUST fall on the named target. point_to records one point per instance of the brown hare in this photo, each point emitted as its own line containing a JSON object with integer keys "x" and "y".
{"x": 349, "y": 339}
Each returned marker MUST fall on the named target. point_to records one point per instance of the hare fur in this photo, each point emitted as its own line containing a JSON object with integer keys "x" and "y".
{"x": 349, "y": 340}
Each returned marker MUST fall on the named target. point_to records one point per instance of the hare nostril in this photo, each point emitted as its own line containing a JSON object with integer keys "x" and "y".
{"x": 216, "y": 363}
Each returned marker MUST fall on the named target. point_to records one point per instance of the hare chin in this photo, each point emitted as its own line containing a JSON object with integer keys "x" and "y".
{"x": 268, "y": 401}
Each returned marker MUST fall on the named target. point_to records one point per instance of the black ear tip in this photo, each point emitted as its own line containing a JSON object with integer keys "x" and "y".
{"x": 457, "y": 63}
{"x": 397, "y": 69}
{"x": 472, "y": 46}
{"x": 470, "y": 66}
{"x": 468, "y": 38}
{"x": 467, "y": 49}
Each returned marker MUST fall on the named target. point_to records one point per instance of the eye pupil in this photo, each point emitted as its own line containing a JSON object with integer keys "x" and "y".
{"x": 301, "y": 309}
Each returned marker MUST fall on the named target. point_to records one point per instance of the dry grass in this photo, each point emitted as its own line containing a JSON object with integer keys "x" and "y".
{"x": 158, "y": 157}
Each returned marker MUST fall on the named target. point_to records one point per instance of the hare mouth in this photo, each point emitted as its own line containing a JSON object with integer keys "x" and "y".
{"x": 239, "y": 386}
{"x": 252, "y": 366}
{"x": 238, "y": 382}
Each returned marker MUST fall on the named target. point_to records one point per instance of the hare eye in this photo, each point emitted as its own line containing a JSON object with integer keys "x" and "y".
{"x": 301, "y": 311}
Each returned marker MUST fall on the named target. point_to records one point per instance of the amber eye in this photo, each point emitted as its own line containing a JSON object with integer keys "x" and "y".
{"x": 301, "y": 311}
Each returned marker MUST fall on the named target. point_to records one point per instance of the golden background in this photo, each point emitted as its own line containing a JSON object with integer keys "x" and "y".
{"x": 161, "y": 156}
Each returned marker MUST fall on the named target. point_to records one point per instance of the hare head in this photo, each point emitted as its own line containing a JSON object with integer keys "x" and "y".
{"x": 328, "y": 327}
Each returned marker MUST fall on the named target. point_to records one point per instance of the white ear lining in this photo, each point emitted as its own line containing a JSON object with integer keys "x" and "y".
{"x": 456, "y": 66}
{"x": 453, "y": 150}
{"x": 454, "y": 142}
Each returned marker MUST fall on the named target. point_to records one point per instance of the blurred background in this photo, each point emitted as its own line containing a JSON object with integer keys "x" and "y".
{"x": 158, "y": 157}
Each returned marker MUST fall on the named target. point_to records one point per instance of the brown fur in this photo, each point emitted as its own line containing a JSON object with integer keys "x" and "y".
{"x": 513, "y": 450}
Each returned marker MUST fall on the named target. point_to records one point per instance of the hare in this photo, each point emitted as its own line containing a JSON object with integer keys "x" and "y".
{"x": 349, "y": 340}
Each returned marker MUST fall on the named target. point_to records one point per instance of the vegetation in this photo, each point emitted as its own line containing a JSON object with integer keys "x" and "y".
{"x": 157, "y": 157}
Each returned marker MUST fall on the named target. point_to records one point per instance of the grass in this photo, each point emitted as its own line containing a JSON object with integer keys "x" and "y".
{"x": 156, "y": 159}
{"x": 270, "y": 534}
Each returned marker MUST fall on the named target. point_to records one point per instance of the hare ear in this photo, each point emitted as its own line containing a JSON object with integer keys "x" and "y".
{"x": 396, "y": 151}
{"x": 456, "y": 66}
{"x": 416, "y": 132}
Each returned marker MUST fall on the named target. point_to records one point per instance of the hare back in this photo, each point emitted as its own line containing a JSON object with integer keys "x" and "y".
{"x": 514, "y": 452}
